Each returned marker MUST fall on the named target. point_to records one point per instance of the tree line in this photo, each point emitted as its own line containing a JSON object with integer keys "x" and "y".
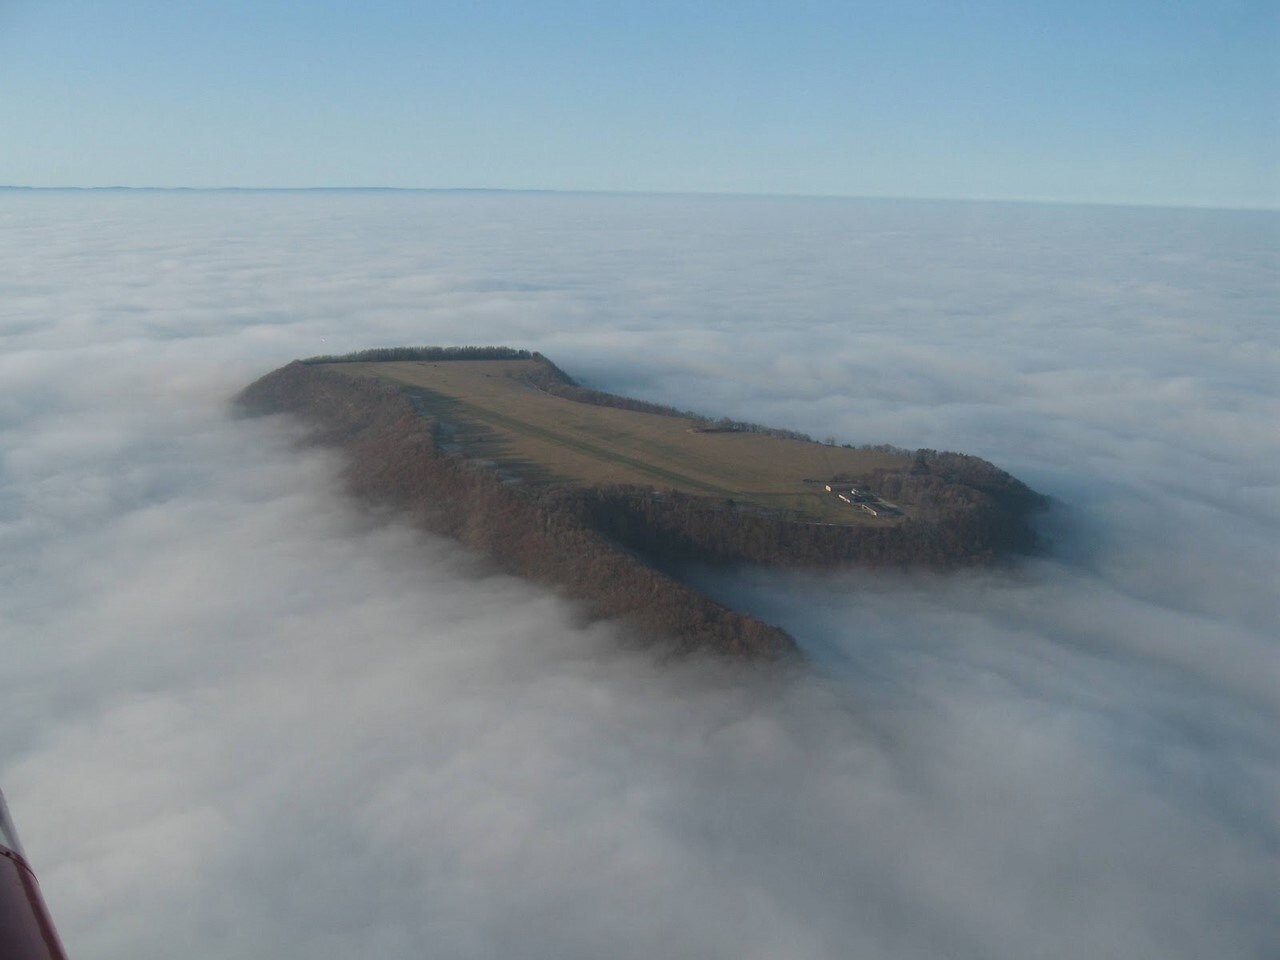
{"x": 385, "y": 354}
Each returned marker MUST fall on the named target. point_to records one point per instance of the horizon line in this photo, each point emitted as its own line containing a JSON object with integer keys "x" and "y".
{"x": 122, "y": 188}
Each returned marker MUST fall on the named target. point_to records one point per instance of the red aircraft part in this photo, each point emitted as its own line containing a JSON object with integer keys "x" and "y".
{"x": 26, "y": 930}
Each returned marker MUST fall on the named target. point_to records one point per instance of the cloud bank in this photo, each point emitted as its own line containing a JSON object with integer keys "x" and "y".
{"x": 246, "y": 718}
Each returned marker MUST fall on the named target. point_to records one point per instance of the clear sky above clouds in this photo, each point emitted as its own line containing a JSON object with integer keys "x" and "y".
{"x": 1121, "y": 102}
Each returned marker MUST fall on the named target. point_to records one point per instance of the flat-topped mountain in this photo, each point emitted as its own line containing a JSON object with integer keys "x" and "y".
{"x": 601, "y": 495}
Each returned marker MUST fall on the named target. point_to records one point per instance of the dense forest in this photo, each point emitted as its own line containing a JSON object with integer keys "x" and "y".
{"x": 609, "y": 546}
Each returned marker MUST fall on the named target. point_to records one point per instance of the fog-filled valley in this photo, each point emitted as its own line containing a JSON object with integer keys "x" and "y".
{"x": 247, "y": 717}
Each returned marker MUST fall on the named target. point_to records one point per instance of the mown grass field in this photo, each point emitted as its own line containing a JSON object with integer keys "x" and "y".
{"x": 491, "y": 414}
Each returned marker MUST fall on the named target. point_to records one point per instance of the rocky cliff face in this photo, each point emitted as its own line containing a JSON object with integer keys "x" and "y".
{"x": 607, "y": 546}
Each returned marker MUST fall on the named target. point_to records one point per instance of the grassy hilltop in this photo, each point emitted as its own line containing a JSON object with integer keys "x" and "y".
{"x": 500, "y": 411}
{"x": 603, "y": 495}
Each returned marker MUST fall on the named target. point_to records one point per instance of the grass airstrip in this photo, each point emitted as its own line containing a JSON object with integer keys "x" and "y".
{"x": 489, "y": 412}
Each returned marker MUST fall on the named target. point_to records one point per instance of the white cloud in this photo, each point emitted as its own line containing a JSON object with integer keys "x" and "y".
{"x": 248, "y": 719}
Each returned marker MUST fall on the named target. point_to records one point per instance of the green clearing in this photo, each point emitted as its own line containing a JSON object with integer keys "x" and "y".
{"x": 491, "y": 413}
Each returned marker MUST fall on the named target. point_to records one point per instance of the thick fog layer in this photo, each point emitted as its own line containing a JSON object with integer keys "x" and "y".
{"x": 244, "y": 718}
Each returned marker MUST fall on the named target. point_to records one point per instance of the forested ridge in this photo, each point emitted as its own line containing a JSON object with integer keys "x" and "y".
{"x": 392, "y": 459}
{"x": 608, "y": 546}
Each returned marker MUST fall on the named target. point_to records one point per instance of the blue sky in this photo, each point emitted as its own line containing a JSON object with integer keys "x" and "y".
{"x": 1120, "y": 102}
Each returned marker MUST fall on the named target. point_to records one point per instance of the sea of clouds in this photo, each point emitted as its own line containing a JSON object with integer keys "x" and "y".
{"x": 244, "y": 717}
